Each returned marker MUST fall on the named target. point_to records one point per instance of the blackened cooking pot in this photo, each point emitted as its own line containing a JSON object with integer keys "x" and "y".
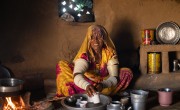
{"x": 10, "y": 85}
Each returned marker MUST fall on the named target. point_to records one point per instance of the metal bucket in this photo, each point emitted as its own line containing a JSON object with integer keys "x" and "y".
{"x": 138, "y": 99}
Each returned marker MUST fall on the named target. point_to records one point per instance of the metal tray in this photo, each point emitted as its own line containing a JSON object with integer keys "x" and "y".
{"x": 105, "y": 100}
{"x": 168, "y": 33}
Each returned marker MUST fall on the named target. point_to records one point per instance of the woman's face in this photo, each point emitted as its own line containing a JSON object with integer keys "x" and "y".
{"x": 96, "y": 39}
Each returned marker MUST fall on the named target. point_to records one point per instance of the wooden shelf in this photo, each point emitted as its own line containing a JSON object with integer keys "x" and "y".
{"x": 163, "y": 49}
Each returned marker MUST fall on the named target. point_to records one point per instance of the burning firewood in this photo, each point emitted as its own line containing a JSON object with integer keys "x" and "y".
{"x": 22, "y": 102}
{"x": 26, "y": 99}
{"x": 45, "y": 104}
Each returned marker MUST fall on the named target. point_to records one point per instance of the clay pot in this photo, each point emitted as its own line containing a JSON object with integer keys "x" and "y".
{"x": 165, "y": 96}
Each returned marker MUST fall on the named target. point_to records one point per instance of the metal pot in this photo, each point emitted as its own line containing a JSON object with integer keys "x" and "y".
{"x": 10, "y": 85}
{"x": 4, "y": 72}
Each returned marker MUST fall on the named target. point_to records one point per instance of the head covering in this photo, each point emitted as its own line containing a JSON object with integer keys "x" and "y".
{"x": 86, "y": 48}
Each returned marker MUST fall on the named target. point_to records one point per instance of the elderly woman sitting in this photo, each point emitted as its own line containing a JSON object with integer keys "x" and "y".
{"x": 95, "y": 67}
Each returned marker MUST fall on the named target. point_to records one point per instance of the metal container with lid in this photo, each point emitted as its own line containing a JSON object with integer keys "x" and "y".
{"x": 147, "y": 36}
{"x": 115, "y": 105}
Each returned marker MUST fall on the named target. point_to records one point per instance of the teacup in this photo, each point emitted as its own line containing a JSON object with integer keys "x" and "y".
{"x": 83, "y": 104}
{"x": 90, "y": 99}
{"x": 95, "y": 98}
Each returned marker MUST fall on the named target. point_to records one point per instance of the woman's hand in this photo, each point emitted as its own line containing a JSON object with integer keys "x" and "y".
{"x": 99, "y": 87}
{"x": 90, "y": 90}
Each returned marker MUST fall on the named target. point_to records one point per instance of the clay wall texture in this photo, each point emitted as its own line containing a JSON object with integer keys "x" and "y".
{"x": 33, "y": 38}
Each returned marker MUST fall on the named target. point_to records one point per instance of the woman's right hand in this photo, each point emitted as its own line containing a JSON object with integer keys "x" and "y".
{"x": 90, "y": 90}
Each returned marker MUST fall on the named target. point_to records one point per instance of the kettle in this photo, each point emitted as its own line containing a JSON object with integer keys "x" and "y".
{"x": 117, "y": 105}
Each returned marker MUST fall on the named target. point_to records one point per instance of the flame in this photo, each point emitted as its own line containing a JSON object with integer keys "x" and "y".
{"x": 14, "y": 104}
{"x": 10, "y": 103}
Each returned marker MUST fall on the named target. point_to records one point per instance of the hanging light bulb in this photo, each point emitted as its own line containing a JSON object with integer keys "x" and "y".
{"x": 64, "y": 3}
{"x": 73, "y": 0}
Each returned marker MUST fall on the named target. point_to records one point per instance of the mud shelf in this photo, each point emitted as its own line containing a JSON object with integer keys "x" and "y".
{"x": 163, "y": 49}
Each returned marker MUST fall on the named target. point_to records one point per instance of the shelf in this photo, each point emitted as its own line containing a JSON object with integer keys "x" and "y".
{"x": 164, "y": 49}
{"x": 159, "y": 48}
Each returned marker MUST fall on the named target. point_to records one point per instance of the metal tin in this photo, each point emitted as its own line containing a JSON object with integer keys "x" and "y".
{"x": 154, "y": 62}
{"x": 147, "y": 36}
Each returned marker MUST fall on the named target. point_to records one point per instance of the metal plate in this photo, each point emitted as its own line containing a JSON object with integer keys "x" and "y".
{"x": 168, "y": 33}
{"x": 104, "y": 101}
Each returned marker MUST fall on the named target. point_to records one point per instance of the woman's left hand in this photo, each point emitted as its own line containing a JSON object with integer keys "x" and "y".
{"x": 99, "y": 87}
{"x": 90, "y": 90}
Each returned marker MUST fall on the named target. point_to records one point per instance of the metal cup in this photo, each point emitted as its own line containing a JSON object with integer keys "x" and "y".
{"x": 138, "y": 99}
{"x": 83, "y": 104}
{"x": 96, "y": 98}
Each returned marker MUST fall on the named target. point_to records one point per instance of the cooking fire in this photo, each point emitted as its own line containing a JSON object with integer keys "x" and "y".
{"x": 13, "y": 103}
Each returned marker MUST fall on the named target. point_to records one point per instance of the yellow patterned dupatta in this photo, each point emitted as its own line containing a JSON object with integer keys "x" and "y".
{"x": 85, "y": 47}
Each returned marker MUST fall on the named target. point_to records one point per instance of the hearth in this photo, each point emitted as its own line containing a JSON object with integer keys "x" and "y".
{"x": 13, "y": 103}
{"x": 10, "y": 94}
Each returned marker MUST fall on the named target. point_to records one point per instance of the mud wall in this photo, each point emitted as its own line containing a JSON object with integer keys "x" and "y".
{"x": 34, "y": 38}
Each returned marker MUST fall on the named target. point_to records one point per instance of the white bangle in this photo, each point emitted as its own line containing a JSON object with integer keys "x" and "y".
{"x": 111, "y": 81}
{"x": 80, "y": 81}
{"x": 80, "y": 66}
{"x": 113, "y": 66}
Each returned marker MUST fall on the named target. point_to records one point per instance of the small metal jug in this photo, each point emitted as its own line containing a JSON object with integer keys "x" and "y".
{"x": 175, "y": 65}
{"x": 116, "y": 105}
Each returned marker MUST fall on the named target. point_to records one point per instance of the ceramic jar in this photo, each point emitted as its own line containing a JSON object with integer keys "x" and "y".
{"x": 165, "y": 96}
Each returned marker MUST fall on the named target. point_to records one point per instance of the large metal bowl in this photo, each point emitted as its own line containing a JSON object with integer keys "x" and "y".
{"x": 10, "y": 85}
{"x": 104, "y": 101}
